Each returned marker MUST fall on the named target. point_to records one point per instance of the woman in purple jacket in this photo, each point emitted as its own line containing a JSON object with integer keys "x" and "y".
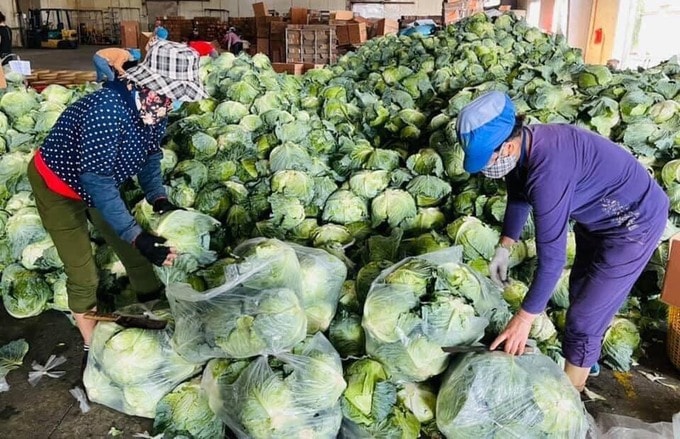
{"x": 564, "y": 173}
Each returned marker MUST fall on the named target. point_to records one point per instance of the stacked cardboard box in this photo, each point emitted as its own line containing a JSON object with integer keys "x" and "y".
{"x": 246, "y": 27}
{"x": 350, "y": 30}
{"x": 177, "y": 27}
{"x": 454, "y": 10}
{"x": 299, "y": 16}
{"x": 129, "y": 34}
{"x": 312, "y": 44}
{"x": 385, "y": 27}
{"x": 277, "y": 41}
{"x": 208, "y": 27}
{"x": 263, "y": 32}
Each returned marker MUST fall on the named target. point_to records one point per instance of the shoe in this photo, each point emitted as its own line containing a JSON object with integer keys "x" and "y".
{"x": 150, "y": 297}
{"x": 595, "y": 370}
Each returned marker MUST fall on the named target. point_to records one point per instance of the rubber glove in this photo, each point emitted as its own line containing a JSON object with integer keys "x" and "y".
{"x": 498, "y": 268}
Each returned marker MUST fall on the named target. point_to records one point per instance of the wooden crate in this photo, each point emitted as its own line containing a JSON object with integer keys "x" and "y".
{"x": 315, "y": 44}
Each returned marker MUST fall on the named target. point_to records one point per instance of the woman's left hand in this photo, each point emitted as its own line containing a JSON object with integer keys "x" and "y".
{"x": 516, "y": 333}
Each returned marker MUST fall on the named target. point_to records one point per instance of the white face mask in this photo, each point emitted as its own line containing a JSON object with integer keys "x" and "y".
{"x": 501, "y": 167}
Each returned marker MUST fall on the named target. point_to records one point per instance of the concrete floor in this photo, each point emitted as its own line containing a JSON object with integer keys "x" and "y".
{"x": 48, "y": 411}
{"x": 60, "y": 59}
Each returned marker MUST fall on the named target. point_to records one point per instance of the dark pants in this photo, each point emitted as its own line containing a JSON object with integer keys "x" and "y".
{"x": 602, "y": 275}
{"x": 66, "y": 221}
{"x": 236, "y": 48}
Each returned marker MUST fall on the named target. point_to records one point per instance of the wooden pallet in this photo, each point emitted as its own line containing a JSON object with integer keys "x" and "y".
{"x": 315, "y": 44}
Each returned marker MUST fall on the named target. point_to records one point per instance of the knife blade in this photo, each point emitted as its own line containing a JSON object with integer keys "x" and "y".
{"x": 127, "y": 321}
{"x": 528, "y": 349}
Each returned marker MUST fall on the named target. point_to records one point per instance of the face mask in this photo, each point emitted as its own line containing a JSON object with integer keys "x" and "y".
{"x": 501, "y": 167}
{"x": 153, "y": 107}
{"x": 176, "y": 105}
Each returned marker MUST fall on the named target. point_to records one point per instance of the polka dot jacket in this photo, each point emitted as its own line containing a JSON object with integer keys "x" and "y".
{"x": 98, "y": 143}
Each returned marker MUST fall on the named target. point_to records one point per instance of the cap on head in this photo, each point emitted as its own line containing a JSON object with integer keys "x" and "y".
{"x": 170, "y": 69}
{"x": 136, "y": 54}
{"x": 161, "y": 33}
{"x": 482, "y": 126}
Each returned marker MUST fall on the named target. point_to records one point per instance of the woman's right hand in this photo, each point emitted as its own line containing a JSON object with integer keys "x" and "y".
{"x": 152, "y": 248}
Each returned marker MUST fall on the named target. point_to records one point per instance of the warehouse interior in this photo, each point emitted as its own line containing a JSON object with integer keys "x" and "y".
{"x": 330, "y": 69}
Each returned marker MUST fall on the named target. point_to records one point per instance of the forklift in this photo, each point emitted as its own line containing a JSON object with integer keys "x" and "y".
{"x": 51, "y": 29}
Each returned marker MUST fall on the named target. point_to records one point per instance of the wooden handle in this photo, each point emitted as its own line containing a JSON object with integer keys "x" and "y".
{"x": 102, "y": 317}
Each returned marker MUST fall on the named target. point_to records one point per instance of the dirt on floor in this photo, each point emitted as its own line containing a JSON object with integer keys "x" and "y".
{"x": 49, "y": 411}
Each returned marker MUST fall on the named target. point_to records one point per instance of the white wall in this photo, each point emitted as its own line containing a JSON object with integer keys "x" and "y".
{"x": 579, "y": 23}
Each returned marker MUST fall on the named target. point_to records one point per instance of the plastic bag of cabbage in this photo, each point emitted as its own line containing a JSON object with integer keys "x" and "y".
{"x": 493, "y": 394}
{"x": 185, "y": 413}
{"x": 130, "y": 370}
{"x": 288, "y": 395}
{"x": 375, "y": 407}
{"x": 424, "y": 303}
{"x": 272, "y": 295}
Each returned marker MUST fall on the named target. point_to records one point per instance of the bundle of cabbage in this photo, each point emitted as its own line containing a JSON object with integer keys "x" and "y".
{"x": 288, "y": 395}
{"x": 270, "y": 295}
{"x": 373, "y": 406}
{"x": 130, "y": 370}
{"x": 497, "y": 395}
{"x": 185, "y": 413}
{"x": 425, "y": 303}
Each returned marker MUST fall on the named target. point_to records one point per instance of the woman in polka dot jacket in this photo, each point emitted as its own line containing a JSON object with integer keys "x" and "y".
{"x": 98, "y": 143}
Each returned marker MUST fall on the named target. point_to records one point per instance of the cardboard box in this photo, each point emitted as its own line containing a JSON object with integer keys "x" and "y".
{"x": 342, "y": 34}
{"x": 311, "y": 66}
{"x": 670, "y": 293}
{"x": 260, "y": 9}
{"x": 342, "y": 15}
{"x": 129, "y": 34}
{"x": 262, "y": 46}
{"x": 386, "y": 27}
{"x": 277, "y": 31}
{"x": 277, "y": 51}
{"x": 357, "y": 33}
{"x": 144, "y": 38}
{"x": 298, "y": 15}
{"x": 290, "y": 68}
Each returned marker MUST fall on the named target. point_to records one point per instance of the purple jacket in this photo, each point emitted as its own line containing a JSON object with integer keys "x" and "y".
{"x": 575, "y": 174}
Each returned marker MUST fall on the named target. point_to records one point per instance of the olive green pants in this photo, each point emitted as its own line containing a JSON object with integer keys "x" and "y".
{"x": 66, "y": 222}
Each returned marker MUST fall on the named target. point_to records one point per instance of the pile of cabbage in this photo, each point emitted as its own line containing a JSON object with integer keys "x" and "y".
{"x": 359, "y": 159}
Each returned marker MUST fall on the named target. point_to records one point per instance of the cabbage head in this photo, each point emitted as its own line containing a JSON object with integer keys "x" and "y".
{"x": 185, "y": 412}
{"x": 344, "y": 207}
{"x": 393, "y": 206}
{"x": 621, "y": 341}
{"x": 18, "y": 103}
{"x": 370, "y": 405}
{"x": 24, "y": 293}
{"x": 322, "y": 276}
{"x": 477, "y": 239}
{"x": 188, "y": 232}
{"x": 368, "y": 184}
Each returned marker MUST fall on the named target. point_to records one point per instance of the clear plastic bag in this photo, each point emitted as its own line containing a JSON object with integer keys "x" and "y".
{"x": 80, "y": 396}
{"x": 289, "y": 395}
{"x": 625, "y": 427}
{"x": 11, "y": 357}
{"x": 494, "y": 394}
{"x": 39, "y": 371}
{"x": 424, "y": 303}
{"x": 131, "y": 369}
{"x": 263, "y": 304}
